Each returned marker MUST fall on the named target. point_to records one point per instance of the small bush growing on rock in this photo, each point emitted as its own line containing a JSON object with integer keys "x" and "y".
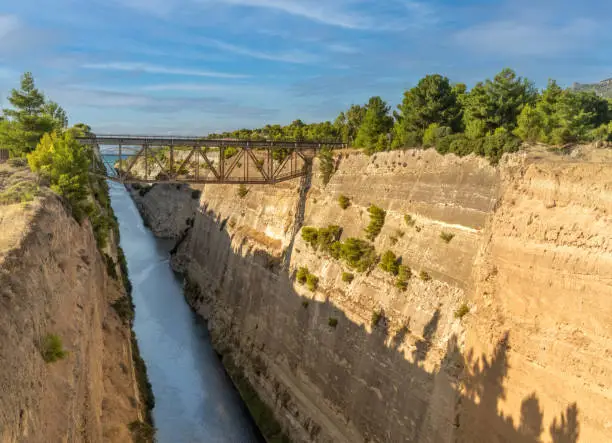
{"x": 376, "y": 317}
{"x": 142, "y": 432}
{"x": 242, "y": 191}
{"x": 389, "y": 263}
{"x": 409, "y": 220}
{"x": 377, "y": 221}
{"x": 310, "y": 235}
{"x": 462, "y": 311}
{"x": 332, "y": 321}
{"x": 347, "y": 277}
{"x": 302, "y": 274}
{"x": 326, "y": 165}
{"x": 327, "y": 236}
{"x": 403, "y": 275}
{"x": 358, "y": 254}
{"x": 305, "y": 304}
{"x": 230, "y": 152}
{"x": 111, "y": 267}
{"x": 423, "y": 275}
{"x": 446, "y": 236}
{"x": 312, "y": 281}
{"x": 18, "y": 162}
{"x": 51, "y": 348}
{"x": 344, "y": 201}
{"x": 124, "y": 308}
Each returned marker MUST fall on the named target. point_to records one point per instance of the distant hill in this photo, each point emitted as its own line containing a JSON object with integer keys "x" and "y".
{"x": 603, "y": 88}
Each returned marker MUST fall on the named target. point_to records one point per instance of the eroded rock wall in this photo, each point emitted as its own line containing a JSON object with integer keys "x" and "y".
{"x": 530, "y": 257}
{"x": 54, "y": 281}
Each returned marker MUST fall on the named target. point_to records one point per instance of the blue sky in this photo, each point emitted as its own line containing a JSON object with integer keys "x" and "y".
{"x": 197, "y": 66}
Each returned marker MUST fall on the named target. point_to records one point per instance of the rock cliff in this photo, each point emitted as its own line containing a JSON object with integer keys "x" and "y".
{"x": 503, "y": 329}
{"x": 54, "y": 281}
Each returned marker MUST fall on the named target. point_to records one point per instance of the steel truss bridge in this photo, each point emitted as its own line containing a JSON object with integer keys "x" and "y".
{"x": 153, "y": 159}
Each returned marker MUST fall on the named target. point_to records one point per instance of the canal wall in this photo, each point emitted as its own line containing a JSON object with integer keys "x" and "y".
{"x": 54, "y": 281}
{"x": 502, "y": 330}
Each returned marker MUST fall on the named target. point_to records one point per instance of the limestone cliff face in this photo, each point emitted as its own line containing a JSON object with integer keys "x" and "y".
{"x": 530, "y": 256}
{"x": 53, "y": 280}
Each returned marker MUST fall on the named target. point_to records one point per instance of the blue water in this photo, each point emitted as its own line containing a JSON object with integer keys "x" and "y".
{"x": 195, "y": 400}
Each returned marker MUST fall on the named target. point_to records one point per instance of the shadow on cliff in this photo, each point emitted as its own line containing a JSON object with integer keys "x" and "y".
{"x": 380, "y": 379}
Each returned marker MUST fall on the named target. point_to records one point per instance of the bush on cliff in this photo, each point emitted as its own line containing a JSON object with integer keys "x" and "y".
{"x": 60, "y": 159}
{"x": 344, "y": 201}
{"x": 389, "y": 263}
{"x": 326, "y": 165}
{"x": 51, "y": 348}
{"x": 358, "y": 254}
{"x": 377, "y": 221}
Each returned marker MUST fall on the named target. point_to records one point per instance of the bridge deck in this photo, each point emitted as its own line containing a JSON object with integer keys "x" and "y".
{"x": 136, "y": 140}
{"x": 250, "y": 162}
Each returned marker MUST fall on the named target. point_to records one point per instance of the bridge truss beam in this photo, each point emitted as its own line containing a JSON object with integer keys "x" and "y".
{"x": 171, "y": 160}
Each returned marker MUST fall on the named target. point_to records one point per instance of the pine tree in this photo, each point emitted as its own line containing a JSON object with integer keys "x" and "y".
{"x": 30, "y": 118}
{"x": 377, "y": 121}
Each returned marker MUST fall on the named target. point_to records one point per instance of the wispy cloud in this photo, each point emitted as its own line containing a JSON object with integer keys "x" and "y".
{"x": 295, "y": 56}
{"x": 513, "y": 38}
{"x": 326, "y": 12}
{"x": 157, "y": 69}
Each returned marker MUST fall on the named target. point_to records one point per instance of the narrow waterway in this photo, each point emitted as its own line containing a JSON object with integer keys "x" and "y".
{"x": 194, "y": 399}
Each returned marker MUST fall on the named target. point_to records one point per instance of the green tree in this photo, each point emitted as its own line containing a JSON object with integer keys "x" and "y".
{"x": 65, "y": 163}
{"x": 497, "y": 103}
{"x": 29, "y": 118}
{"x": 354, "y": 119}
{"x": 432, "y": 101}
{"x": 377, "y": 121}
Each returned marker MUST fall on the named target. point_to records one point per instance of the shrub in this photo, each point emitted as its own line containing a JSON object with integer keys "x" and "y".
{"x": 409, "y": 220}
{"x": 242, "y": 191}
{"x": 51, "y": 348}
{"x": 377, "y": 221}
{"x": 462, "y": 311}
{"x": 446, "y": 236}
{"x": 310, "y": 235}
{"x": 195, "y": 194}
{"x": 403, "y": 275}
{"x": 20, "y": 192}
{"x": 305, "y": 304}
{"x": 229, "y": 152}
{"x": 18, "y": 162}
{"x": 389, "y": 263}
{"x": 332, "y": 321}
{"x": 376, "y": 317}
{"x": 111, "y": 267}
{"x": 344, "y": 201}
{"x": 347, "y": 277}
{"x": 358, "y": 254}
{"x": 327, "y": 236}
{"x": 302, "y": 275}
{"x": 435, "y": 132}
{"x": 423, "y": 275}
{"x": 326, "y": 165}
{"x": 312, "y": 281}
{"x": 124, "y": 308}
{"x": 142, "y": 432}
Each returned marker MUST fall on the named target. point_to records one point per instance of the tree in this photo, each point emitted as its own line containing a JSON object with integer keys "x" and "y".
{"x": 65, "y": 163}
{"x": 497, "y": 103}
{"x": 30, "y": 118}
{"x": 377, "y": 121}
{"x": 432, "y": 101}
{"x": 354, "y": 119}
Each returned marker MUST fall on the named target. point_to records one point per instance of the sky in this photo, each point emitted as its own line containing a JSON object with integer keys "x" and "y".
{"x": 199, "y": 66}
